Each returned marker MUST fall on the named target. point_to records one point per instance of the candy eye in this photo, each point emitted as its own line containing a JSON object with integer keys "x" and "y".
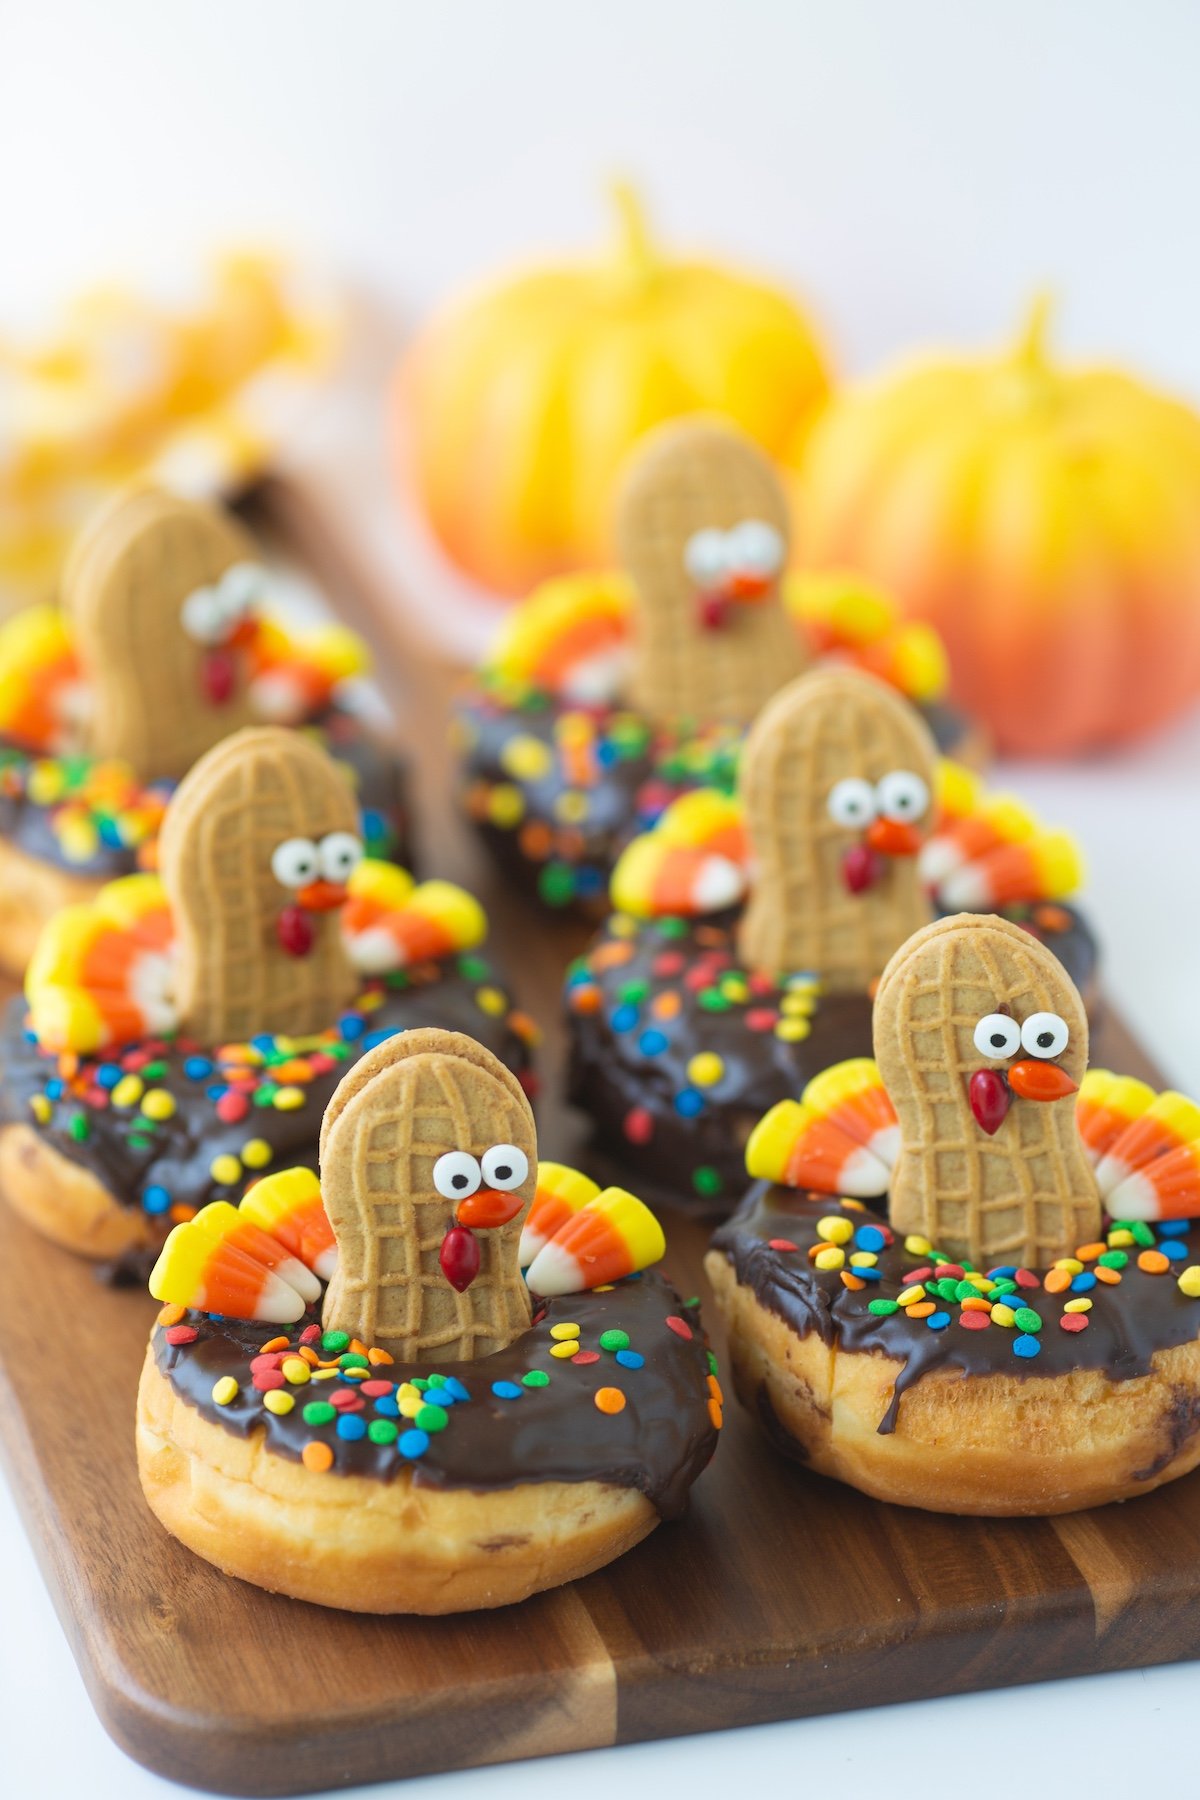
{"x": 505, "y": 1167}
{"x": 456, "y": 1175}
{"x": 203, "y": 617}
{"x": 852, "y": 802}
{"x": 705, "y": 555}
{"x": 1044, "y": 1034}
{"x": 902, "y": 796}
{"x": 997, "y": 1036}
{"x": 756, "y": 547}
{"x": 238, "y": 590}
{"x": 340, "y": 854}
{"x": 296, "y": 862}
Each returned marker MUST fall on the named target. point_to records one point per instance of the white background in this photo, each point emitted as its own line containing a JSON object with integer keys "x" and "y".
{"x": 917, "y": 170}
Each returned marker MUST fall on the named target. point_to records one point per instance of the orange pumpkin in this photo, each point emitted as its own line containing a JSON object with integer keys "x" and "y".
{"x": 1045, "y": 520}
{"x": 517, "y": 404}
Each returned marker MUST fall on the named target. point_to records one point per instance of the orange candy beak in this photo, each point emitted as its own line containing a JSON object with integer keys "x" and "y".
{"x": 892, "y": 837}
{"x": 488, "y": 1208}
{"x": 742, "y": 585}
{"x": 322, "y": 896}
{"x": 1034, "y": 1080}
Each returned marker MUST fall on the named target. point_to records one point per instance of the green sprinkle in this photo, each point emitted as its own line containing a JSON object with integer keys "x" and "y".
{"x": 352, "y": 1360}
{"x": 1114, "y": 1259}
{"x": 432, "y": 1418}
{"x": 1003, "y": 1286}
{"x": 334, "y": 1342}
{"x": 634, "y": 992}
{"x": 707, "y": 1180}
{"x": 1142, "y": 1235}
{"x": 556, "y": 884}
{"x": 79, "y": 1128}
{"x": 153, "y": 1071}
{"x": 672, "y": 928}
{"x": 396, "y": 979}
{"x": 380, "y": 1431}
{"x": 965, "y": 1290}
{"x": 265, "y": 1092}
{"x": 614, "y": 1340}
{"x": 712, "y": 1363}
{"x": 881, "y": 1308}
{"x": 319, "y": 1412}
{"x": 713, "y": 1000}
{"x": 474, "y": 968}
{"x": 536, "y": 1378}
{"x": 420, "y": 1382}
{"x": 1025, "y": 1319}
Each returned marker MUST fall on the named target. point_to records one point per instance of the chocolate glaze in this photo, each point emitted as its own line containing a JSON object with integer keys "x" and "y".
{"x": 630, "y": 789}
{"x": 611, "y": 1075}
{"x": 180, "y": 1151}
{"x": 658, "y": 1444}
{"x": 380, "y": 782}
{"x": 1126, "y": 1326}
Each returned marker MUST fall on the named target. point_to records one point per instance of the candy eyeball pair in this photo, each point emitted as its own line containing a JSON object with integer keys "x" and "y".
{"x": 211, "y": 615}
{"x": 1043, "y": 1035}
{"x": 901, "y": 796}
{"x": 751, "y": 548}
{"x": 457, "y": 1175}
{"x": 298, "y": 862}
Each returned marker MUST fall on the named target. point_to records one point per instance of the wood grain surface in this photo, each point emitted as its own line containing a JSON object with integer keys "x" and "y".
{"x": 780, "y": 1595}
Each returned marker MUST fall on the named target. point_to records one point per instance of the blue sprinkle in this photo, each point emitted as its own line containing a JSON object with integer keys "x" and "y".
{"x": 31, "y": 1037}
{"x": 55, "y": 1088}
{"x": 1172, "y": 1227}
{"x": 454, "y": 1386}
{"x": 386, "y": 1406}
{"x": 868, "y": 1274}
{"x": 689, "y": 1102}
{"x": 589, "y": 881}
{"x": 869, "y": 1237}
{"x": 381, "y": 1036}
{"x": 652, "y": 1042}
{"x": 198, "y": 1068}
{"x": 606, "y": 753}
{"x": 156, "y": 1199}
{"x": 506, "y": 1390}
{"x": 624, "y": 1018}
{"x": 110, "y": 834}
{"x": 1005, "y": 1273}
{"x": 373, "y": 823}
{"x": 438, "y": 1393}
{"x": 1083, "y": 1283}
{"x": 263, "y": 1042}
{"x": 413, "y": 1443}
{"x": 351, "y": 1026}
{"x": 630, "y": 1359}
{"x": 350, "y": 1427}
{"x": 1025, "y": 1345}
{"x": 108, "y": 1075}
{"x": 938, "y": 1321}
{"x": 1173, "y": 1250}
{"x": 216, "y": 1090}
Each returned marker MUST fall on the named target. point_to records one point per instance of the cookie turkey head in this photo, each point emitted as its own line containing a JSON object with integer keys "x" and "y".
{"x": 259, "y": 841}
{"x": 836, "y": 781}
{"x": 702, "y": 531}
{"x": 428, "y": 1168}
{"x": 982, "y": 1041}
{"x": 161, "y": 594}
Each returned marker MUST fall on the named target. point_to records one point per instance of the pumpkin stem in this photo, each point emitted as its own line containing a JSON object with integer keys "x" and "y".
{"x": 635, "y": 248}
{"x": 1030, "y": 347}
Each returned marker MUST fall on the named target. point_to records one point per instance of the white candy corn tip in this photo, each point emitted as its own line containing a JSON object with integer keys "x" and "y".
{"x": 554, "y": 1272}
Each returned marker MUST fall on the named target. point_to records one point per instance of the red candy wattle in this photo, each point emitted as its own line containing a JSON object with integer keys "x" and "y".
{"x": 861, "y": 868}
{"x": 295, "y": 931}
{"x": 712, "y": 611}
{"x": 990, "y": 1098}
{"x": 459, "y": 1258}
{"x": 218, "y": 676}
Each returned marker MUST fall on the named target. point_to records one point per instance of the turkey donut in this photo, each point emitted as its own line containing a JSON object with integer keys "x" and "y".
{"x": 748, "y": 932}
{"x": 967, "y": 1277}
{"x": 182, "y": 1033}
{"x": 159, "y": 650}
{"x": 609, "y": 695}
{"x": 411, "y": 1424}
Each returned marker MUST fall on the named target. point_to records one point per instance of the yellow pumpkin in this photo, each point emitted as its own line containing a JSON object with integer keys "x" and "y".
{"x": 1045, "y": 520}
{"x": 517, "y": 405}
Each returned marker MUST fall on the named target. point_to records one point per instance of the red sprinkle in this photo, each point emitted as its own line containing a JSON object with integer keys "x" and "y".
{"x": 912, "y": 1276}
{"x": 761, "y": 1018}
{"x": 1024, "y": 1278}
{"x": 267, "y": 1359}
{"x": 181, "y": 1334}
{"x": 587, "y": 1356}
{"x": 975, "y": 1320}
{"x": 776, "y": 1244}
{"x": 955, "y": 1271}
{"x": 345, "y": 1399}
{"x": 310, "y": 1334}
{"x": 639, "y": 1126}
{"x": 266, "y": 1379}
{"x": 232, "y": 1107}
{"x": 679, "y": 1326}
{"x": 375, "y": 1390}
{"x": 667, "y": 963}
{"x": 1074, "y": 1321}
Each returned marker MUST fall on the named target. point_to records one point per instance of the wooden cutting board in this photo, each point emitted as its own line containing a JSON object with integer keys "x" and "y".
{"x": 779, "y": 1596}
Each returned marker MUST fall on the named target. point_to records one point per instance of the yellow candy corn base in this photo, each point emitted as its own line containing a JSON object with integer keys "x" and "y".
{"x": 363, "y": 1545}
{"x": 1082, "y": 1438}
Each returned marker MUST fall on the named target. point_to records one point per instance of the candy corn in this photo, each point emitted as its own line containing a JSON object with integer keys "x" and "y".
{"x": 693, "y": 862}
{"x": 208, "y": 1271}
{"x": 1151, "y": 1170}
{"x": 841, "y": 1137}
{"x": 570, "y": 638}
{"x": 1047, "y": 866}
{"x": 612, "y": 1235}
{"x": 102, "y": 971}
{"x": 387, "y": 923}
{"x": 38, "y": 667}
{"x": 561, "y": 1192}
{"x": 288, "y": 1206}
{"x": 1106, "y": 1106}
